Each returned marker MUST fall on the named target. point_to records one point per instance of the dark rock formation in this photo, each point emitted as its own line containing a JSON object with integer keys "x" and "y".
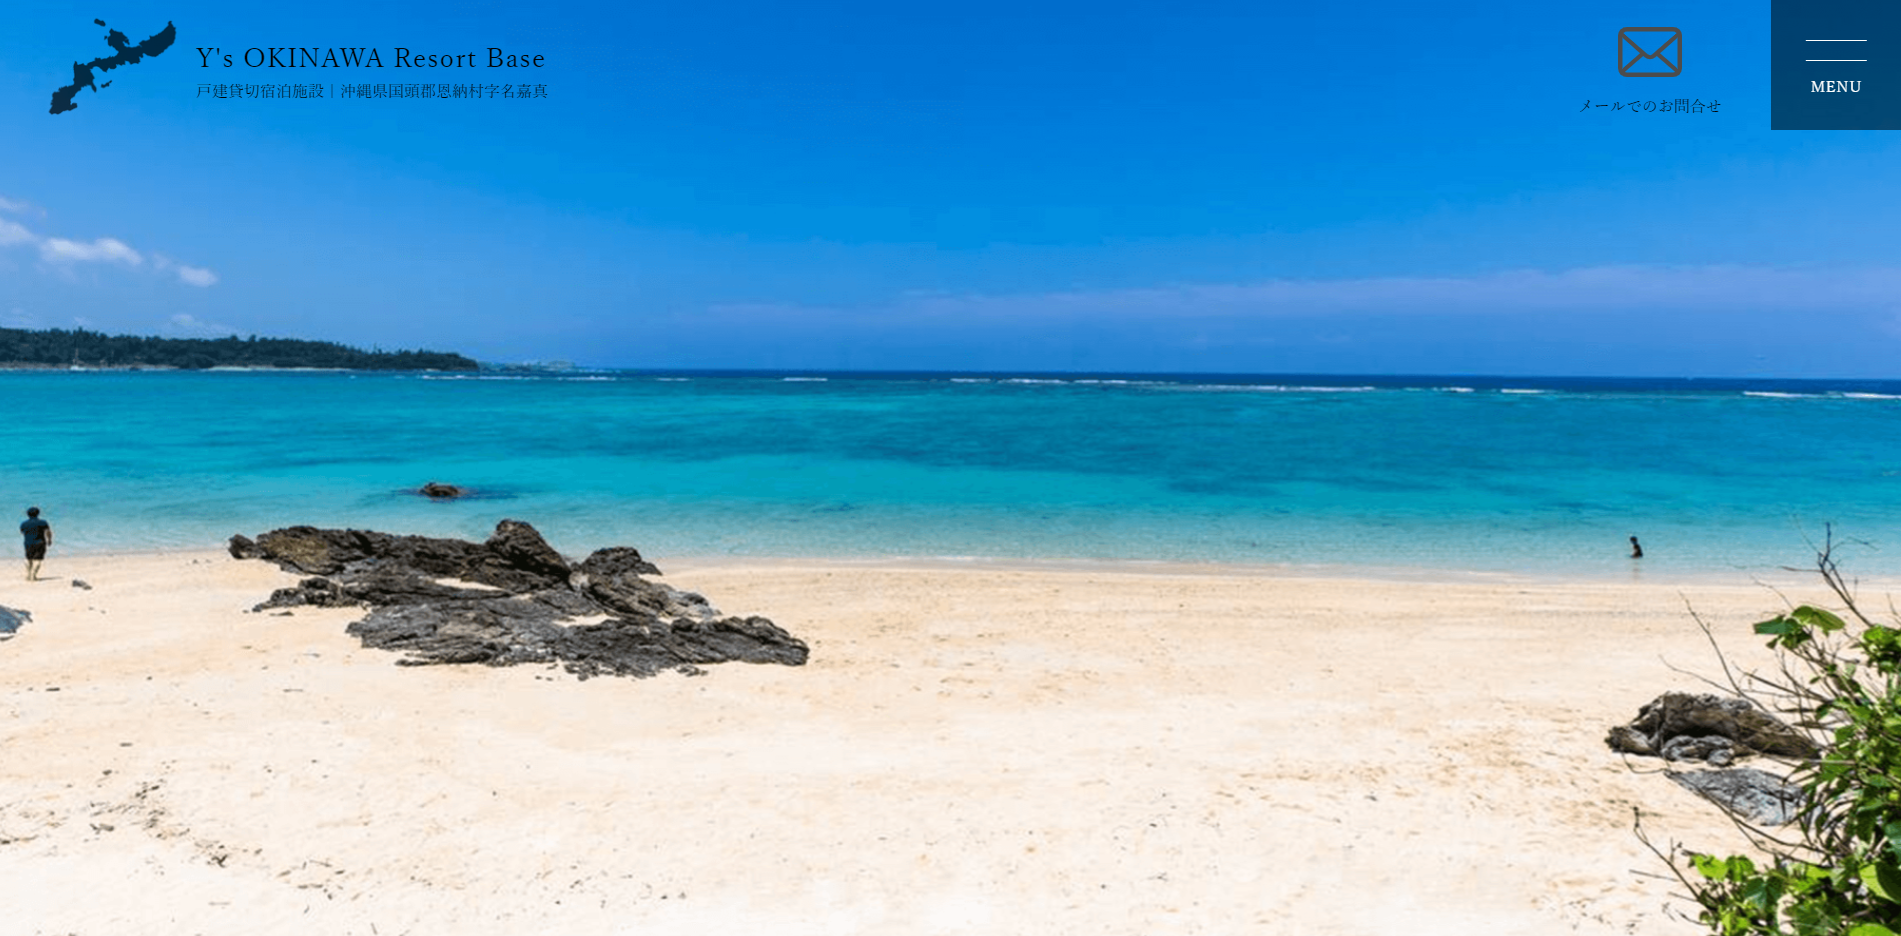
{"x": 521, "y": 548}
{"x": 612, "y": 577}
{"x": 244, "y": 547}
{"x": 436, "y": 490}
{"x": 1680, "y": 726}
{"x": 12, "y": 619}
{"x": 1751, "y": 795}
{"x": 515, "y": 558}
{"x": 1715, "y": 750}
{"x": 524, "y": 613}
{"x": 318, "y": 592}
{"x": 616, "y": 560}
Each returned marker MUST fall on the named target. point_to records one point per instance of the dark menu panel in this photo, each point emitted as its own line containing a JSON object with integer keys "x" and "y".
{"x": 1835, "y": 65}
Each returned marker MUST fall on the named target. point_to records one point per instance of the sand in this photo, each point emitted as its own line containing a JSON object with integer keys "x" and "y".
{"x": 979, "y": 749}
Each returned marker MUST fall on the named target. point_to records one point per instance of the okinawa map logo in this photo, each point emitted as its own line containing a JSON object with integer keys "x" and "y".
{"x": 125, "y": 53}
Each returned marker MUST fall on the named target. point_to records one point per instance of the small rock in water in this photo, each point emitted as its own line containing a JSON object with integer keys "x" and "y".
{"x": 436, "y": 490}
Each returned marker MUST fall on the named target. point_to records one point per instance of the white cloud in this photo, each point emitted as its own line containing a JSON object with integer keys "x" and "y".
{"x": 61, "y": 254}
{"x": 20, "y": 207}
{"x": 1581, "y": 289}
{"x": 1578, "y": 291}
{"x": 11, "y": 233}
{"x": 196, "y": 276}
{"x": 104, "y": 250}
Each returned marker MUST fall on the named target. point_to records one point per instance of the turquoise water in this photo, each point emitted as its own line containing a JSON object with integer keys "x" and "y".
{"x": 1492, "y": 474}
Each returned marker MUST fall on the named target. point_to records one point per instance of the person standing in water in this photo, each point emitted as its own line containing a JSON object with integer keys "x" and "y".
{"x": 1636, "y": 549}
{"x": 39, "y": 535}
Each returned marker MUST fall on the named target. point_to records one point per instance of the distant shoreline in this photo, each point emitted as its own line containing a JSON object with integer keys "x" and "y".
{"x": 223, "y": 368}
{"x": 69, "y": 349}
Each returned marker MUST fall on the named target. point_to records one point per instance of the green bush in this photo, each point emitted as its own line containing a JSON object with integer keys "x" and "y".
{"x": 1840, "y": 679}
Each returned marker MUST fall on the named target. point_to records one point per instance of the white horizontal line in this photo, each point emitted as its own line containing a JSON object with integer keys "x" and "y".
{"x": 1834, "y": 40}
{"x": 1834, "y": 60}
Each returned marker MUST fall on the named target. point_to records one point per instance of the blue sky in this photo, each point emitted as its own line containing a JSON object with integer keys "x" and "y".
{"x": 1382, "y": 188}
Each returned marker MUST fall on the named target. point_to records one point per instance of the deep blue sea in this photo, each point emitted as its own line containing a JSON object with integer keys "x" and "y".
{"x": 1507, "y": 474}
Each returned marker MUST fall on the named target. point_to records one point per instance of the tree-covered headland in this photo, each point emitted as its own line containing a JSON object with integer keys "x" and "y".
{"x": 58, "y": 347}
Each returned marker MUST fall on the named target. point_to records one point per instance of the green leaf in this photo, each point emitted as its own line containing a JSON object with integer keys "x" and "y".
{"x": 1761, "y": 893}
{"x": 1883, "y": 880}
{"x": 1779, "y": 626}
{"x": 1871, "y": 929}
{"x": 1825, "y": 621}
{"x": 1710, "y": 866}
{"x": 1814, "y": 919}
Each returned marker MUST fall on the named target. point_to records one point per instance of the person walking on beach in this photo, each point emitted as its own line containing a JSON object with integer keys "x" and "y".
{"x": 39, "y": 535}
{"x": 1636, "y": 550}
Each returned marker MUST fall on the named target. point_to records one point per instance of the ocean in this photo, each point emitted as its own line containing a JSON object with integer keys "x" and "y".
{"x": 1540, "y": 476}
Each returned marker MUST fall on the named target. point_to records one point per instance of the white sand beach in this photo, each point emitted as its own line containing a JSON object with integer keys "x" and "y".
{"x": 995, "y": 750}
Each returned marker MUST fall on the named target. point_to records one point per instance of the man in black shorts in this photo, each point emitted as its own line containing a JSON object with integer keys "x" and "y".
{"x": 39, "y": 535}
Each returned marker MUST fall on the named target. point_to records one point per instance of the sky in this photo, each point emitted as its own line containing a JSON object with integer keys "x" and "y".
{"x": 1252, "y": 187}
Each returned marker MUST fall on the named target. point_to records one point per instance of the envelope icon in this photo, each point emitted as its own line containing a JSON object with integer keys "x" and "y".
{"x": 1650, "y": 51}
